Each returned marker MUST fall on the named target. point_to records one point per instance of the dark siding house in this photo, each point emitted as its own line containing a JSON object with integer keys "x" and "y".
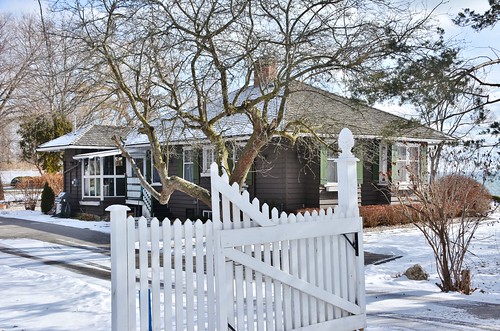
{"x": 288, "y": 177}
{"x": 94, "y": 170}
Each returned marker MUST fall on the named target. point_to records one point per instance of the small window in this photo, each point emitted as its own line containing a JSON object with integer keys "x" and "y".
{"x": 331, "y": 167}
{"x": 188, "y": 164}
{"x": 407, "y": 163}
{"x": 208, "y": 159}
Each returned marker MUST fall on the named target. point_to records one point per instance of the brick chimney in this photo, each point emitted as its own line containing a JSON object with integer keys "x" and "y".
{"x": 265, "y": 71}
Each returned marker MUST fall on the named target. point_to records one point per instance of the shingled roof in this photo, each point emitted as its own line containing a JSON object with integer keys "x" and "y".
{"x": 328, "y": 113}
{"x": 88, "y": 137}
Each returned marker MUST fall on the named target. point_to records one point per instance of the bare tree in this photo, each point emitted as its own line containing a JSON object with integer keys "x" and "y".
{"x": 15, "y": 59}
{"x": 63, "y": 79}
{"x": 204, "y": 67}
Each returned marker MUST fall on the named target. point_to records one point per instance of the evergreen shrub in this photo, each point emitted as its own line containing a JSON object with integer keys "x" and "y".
{"x": 48, "y": 198}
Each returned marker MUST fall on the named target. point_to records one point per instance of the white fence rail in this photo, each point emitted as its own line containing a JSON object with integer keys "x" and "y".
{"x": 248, "y": 269}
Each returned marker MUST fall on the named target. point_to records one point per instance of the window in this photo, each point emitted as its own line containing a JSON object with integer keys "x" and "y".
{"x": 208, "y": 159}
{"x": 188, "y": 164}
{"x": 106, "y": 183}
{"x": 91, "y": 177}
{"x": 407, "y": 162}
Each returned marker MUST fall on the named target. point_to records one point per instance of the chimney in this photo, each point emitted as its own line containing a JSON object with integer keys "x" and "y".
{"x": 265, "y": 71}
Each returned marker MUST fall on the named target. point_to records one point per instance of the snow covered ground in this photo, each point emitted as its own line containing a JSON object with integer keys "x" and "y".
{"x": 35, "y": 296}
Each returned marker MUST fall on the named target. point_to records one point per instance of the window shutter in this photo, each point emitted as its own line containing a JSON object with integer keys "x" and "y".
{"x": 249, "y": 179}
{"x": 148, "y": 166}
{"x": 423, "y": 162}
{"x": 196, "y": 168}
{"x": 180, "y": 163}
{"x": 323, "y": 164}
{"x": 359, "y": 168}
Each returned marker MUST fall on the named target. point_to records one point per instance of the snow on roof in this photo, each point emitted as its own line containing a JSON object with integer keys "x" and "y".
{"x": 325, "y": 112}
{"x": 92, "y": 136}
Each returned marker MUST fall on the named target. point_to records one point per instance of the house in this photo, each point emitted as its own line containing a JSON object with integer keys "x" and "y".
{"x": 94, "y": 170}
{"x": 285, "y": 176}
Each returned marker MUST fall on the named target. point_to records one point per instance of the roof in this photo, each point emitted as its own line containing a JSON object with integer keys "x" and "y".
{"x": 88, "y": 137}
{"x": 325, "y": 112}
{"x": 328, "y": 113}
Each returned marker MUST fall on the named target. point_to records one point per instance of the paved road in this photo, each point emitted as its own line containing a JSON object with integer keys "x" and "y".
{"x": 95, "y": 241}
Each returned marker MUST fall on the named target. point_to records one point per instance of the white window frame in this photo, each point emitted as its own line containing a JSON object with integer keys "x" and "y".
{"x": 405, "y": 163}
{"x": 383, "y": 174}
{"x": 184, "y": 163}
{"x": 207, "y": 160}
{"x": 95, "y": 177}
{"x": 331, "y": 164}
{"x": 98, "y": 178}
{"x": 113, "y": 176}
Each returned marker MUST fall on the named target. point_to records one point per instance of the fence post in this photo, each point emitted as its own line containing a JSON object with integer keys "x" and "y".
{"x": 119, "y": 295}
{"x": 347, "y": 177}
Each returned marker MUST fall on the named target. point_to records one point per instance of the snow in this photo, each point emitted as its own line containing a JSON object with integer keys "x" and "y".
{"x": 36, "y": 296}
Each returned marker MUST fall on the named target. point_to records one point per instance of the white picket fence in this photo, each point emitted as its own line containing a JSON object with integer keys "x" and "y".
{"x": 247, "y": 269}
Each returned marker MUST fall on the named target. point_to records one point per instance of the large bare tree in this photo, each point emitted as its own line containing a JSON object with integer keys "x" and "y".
{"x": 200, "y": 66}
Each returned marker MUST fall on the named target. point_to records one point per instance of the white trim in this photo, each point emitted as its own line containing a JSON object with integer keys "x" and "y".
{"x": 89, "y": 203}
{"x": 64, "y": 147}
{"x": 97, "y": 154}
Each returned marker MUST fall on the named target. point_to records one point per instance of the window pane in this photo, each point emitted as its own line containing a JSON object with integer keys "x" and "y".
{"x": 401, "y": 152}
{"x": 331, "y": 171}
{"x": 97, "y": 187}
{"x": 188, "y": 172}
{"x": 86, "y": 167}
{"x": 188, "y": 156}
{"x": 92, "y": 191}
{"x": 120, "y": 165}
{"x": 86, "y": 187}
{"x": 120, "y": 187}
{"x": 156, "y": 176}
{"x": 92, "y": 166}
{"x": 98, "y": 166}
{"x": 140, "y": 164}
{"x": 109, "y": 166}
{"x": 108, "y": 188}
{"x": 401, "y": 173}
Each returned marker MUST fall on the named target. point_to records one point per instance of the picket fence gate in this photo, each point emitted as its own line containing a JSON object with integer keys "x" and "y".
{"x": 248, "y": 269}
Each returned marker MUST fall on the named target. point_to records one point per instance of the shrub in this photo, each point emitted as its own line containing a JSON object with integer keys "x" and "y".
{"x": 448, "y": 212}
{"x": 55, "y": 182}
{"x": 48, "y": 198}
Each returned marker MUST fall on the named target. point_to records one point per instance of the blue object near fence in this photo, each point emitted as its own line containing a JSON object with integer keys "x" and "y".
{"x": 150, "y": 317}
